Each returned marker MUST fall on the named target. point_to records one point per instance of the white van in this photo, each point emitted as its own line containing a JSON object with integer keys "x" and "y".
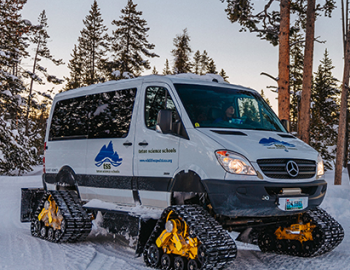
{"x": 211, "y": 155}
{"x": 104, "y": 141}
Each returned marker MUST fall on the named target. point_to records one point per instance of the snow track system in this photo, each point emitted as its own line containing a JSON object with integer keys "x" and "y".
{"x": 60, "y": 217}
{"x": 187, "y": 237}
{"x": 314, "y": 234}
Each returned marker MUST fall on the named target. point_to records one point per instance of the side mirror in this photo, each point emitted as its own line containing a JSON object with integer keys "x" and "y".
{"x": 164, "y": 121}
{"x": 286, "y": 124}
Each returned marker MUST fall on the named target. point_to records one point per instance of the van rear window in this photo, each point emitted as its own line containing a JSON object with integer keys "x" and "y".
{"x": 69, "y": 119}
{"x": 102, "y": 115}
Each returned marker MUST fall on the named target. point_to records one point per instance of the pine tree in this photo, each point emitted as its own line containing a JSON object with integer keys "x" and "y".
{"x": 324, "y": 111}
{"x": 13, "y": 45}
{"x": 204, "y": 62}
{"x": 304, "y": 112}
{"x": 224, "y": 75}
{"x": 76, "y": 66}
{"x": 274, "y": 25}
{"x": 130, "y": 44}
{"x": 264, "y": 97}
{"x": 197, "y": 62}
{"x": 39, "y": 40}
{"x": 182, "y": 53}
{"x": 166, "y": 70}
{"x": 296, "y": 78}
{"x": 211, "y": 68}
{"x": 16, "y": 153}
{"x": 154, "y": 71}
{"x": 93, "y": 45}
{"x": 342, "y": 142}
{"x": 249, "y": 109}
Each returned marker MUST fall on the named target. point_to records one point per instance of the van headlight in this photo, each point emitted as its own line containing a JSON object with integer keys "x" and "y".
{"x": 320, "y": 167}
{"x": 234, "y": 163}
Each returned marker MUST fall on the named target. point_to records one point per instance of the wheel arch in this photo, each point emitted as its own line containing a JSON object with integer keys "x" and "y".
{"x": 188, "y": 181}
{"x": 186, "y": 186}
{"x": 66, "y": 179}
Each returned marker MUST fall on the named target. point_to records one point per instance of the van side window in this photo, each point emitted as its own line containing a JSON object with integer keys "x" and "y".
{"x": 102, "y": 115}
{"x": 69, "y": 119}
{"x": 157, "y": 98}
{"x": 110, "y": 113}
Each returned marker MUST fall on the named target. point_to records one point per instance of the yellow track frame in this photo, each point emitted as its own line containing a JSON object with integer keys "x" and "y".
{"x": 301, "y": 232}
{"x": 50, "y": 214}
{"x": 175, "y": 239}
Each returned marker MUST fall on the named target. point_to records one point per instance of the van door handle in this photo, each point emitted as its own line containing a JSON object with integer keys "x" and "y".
{"x": 143, "y": 143}
{"x": 127, "y": 144}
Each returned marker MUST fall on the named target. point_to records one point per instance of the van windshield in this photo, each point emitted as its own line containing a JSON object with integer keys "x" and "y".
{"x": 218, "y": 107}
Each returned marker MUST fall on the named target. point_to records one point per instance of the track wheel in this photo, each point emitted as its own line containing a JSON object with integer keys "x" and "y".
{"x": 317, "y": 235}
{"x": 43, "y": 232}
{"x": 154, "y": 255}
{"x": 167, "y": 261}
{"x": 281, "y": 246}
{"x": 267, "y": 241}
{"x": 36, "y": 227}
{"x": 192, "y": 265}
{"x": 57, "y": 235}
{"x": 180, "y": 263}
{"x": 308, "y": 247}
{"x": 295, "y": 247}
{"x": 50, "y": 234}
{"x": 202, "y": 255}
{"x": 63, "y": 225}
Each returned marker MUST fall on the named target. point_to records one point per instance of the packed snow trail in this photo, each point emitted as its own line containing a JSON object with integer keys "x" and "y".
{"x": 19, "y": 250}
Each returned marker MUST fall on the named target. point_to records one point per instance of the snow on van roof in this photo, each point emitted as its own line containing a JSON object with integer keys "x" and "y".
{"x": 176, "y": 78}
{"x": 207, "y": 77}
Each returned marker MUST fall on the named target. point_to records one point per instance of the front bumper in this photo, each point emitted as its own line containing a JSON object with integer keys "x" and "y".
{"x": 258, "y": 198}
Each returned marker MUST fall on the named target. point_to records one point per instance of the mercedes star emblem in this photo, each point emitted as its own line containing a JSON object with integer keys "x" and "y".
{"x": 292, "y": 168}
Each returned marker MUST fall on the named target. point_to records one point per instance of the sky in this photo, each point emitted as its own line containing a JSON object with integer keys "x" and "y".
{"x": 241, "y": 54}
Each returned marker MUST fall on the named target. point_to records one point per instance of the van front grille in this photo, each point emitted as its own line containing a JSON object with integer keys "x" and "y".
{"x": 277, "y": 168}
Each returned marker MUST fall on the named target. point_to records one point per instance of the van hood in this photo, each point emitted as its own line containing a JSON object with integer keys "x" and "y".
{"x": 257, "y": 144}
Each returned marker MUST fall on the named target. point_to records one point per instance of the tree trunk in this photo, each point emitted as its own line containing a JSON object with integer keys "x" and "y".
{"x": 31, "y": 90}
{"x": 343, "y": 108}
{"x": 346, "y": 143}
{"x": 307, "y": 73}
{"x": 283, "y": 63}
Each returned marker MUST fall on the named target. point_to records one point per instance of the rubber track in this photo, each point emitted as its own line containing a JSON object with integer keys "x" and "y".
{"x": 332, "y": 231}
{"x": 78, "y": 222}
{"x": 332, "y": 234}
{"x": 219, "y": 246}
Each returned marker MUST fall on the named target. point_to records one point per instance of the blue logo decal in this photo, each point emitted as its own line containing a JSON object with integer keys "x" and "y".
{"x": 107, "y": 154}
{"x": 278, "y": 144}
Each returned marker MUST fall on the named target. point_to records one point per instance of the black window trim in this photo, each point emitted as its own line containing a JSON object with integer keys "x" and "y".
{"x": 86, "y": 125}
{"x": 167, "y": 92}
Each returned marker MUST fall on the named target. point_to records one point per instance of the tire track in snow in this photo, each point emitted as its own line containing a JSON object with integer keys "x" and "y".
{"x": 100, "y": 252}
{"x": 255, "y": 259}
{"x": 115, "y": 252}
{"x": 19, "y": 250}
{"x": 78, "y": 256}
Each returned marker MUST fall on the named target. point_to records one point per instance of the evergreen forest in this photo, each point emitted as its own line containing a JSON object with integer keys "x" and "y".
{"x": 120, "y": 49}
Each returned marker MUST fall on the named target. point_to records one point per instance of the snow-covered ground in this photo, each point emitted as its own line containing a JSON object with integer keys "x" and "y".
{"x": 19, "y": 250}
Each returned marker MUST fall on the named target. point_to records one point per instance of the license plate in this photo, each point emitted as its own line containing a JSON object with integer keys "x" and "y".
{"x": 293, "y": 204}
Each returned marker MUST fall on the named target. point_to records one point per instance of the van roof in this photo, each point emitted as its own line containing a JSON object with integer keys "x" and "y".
{"x": 185, "y": 78}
